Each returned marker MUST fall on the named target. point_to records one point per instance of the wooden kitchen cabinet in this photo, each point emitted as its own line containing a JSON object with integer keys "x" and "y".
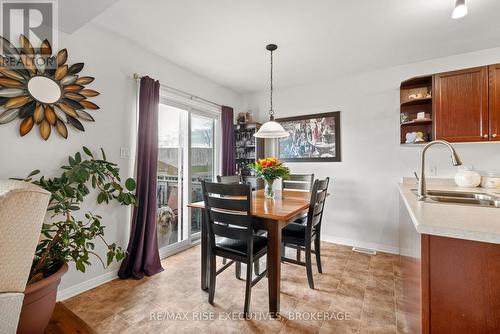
{"x": 494, "y": 97}
{"x": 460, "y": 105}
{"x": 452, "y": 288}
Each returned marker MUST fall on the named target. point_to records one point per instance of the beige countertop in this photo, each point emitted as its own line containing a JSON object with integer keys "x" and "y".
{"x": 451, "y": 220}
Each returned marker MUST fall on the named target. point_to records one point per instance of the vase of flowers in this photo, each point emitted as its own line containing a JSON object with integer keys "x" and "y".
{"x": 269, "y": 169}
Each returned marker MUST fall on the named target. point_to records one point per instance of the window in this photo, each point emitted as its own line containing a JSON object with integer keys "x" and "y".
{"x": 202, "y": 161}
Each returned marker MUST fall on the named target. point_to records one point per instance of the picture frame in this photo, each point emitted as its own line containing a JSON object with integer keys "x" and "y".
{"x": 313, "y": 138}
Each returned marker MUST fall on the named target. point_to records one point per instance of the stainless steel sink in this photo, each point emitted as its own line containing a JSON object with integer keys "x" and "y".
{"x": 462, "y": 198}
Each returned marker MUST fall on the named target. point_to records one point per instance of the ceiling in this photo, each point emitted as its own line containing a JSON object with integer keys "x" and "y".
{"x": 73, "y": 14}
{"x": 224, "y": 40}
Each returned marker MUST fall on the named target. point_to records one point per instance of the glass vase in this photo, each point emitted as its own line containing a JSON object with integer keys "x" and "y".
{"x": 268, "y": 190}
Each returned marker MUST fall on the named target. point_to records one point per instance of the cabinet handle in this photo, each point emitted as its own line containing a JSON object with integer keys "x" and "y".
{"x": 485, "y": 136}
{"x": 494, "y": 135}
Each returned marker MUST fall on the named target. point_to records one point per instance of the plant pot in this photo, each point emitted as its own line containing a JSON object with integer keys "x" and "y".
{"x": 39, "y": 302}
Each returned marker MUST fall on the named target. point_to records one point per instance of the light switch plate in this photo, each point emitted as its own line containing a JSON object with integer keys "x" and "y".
{"x": 124, "y": 152}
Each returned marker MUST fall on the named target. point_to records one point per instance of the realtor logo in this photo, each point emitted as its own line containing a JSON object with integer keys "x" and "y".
{"x": 37, "y": 20}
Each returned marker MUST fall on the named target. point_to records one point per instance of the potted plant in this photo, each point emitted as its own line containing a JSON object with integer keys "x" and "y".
{"x": 69, "y": 237}
{"x": 269, "y": 169}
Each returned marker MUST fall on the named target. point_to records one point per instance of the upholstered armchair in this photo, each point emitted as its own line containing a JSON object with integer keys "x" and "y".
{"x": 22, "y": 212}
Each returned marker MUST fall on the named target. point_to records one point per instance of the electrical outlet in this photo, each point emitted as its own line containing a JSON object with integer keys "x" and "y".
{"x": 124, "y": 152}
{"x": 433, "y": 170}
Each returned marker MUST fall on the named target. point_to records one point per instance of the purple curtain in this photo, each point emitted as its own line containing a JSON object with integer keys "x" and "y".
{"x": 228, "y": 144}
{"x": 143, "y": 257}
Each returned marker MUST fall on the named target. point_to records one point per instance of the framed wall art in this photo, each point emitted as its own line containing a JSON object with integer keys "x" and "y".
{"x": 313, "y": 137}
{"x": 41, "y": 89}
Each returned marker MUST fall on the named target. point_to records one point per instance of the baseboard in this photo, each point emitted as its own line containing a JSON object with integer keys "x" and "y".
{"x": 87, "y": 285}
{"x": 358, "y": 243}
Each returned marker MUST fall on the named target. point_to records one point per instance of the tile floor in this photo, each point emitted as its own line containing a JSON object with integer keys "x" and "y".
{"x": 356, "y": 293}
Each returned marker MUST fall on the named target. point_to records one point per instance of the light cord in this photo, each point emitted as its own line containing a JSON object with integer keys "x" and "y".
{"x": 271, "y": 111}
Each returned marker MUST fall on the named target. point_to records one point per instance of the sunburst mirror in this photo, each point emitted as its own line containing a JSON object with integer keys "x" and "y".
{"x": 42, "y": 89}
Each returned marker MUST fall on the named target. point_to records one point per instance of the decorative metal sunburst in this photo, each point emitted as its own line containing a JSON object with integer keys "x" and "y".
{"x": 41, "y": 89}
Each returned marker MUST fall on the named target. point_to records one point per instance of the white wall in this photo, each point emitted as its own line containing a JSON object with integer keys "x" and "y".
{"x": 112, "y": 60}
{"x": 363, "y": 207}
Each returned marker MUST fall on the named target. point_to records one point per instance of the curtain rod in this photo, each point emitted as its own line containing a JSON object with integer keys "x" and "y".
{"x": 191, "y": 96}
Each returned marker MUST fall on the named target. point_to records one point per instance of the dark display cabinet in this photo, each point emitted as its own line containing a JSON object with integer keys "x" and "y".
{"x": 248, "y": 150}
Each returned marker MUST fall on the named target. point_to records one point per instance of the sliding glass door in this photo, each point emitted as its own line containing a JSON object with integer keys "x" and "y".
{"x": 202, "y": 162}
{"x": 187, "y": 155}
{"x": 171, "y": 150}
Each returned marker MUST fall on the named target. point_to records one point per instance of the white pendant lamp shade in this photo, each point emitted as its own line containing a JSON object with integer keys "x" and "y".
{"x": 271, "y": 129}
{"x": 460, "y": 9}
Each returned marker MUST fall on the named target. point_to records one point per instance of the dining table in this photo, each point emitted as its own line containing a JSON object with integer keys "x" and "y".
{"x": 273, "y": 215}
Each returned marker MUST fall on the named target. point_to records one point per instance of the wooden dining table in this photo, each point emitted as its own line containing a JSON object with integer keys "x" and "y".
{"x": 274, "y": 214}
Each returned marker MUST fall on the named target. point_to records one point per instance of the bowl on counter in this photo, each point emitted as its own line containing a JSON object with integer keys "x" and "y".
{"x": 467, "y": 178}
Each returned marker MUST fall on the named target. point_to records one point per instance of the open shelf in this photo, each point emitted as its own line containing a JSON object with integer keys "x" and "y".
{"x": 412, "y": 106}
{"x": 420, "y": 143}
{"x": 416, "y": 122}
{"x": 415, "y": 102}
{"x": 421, "y": 81}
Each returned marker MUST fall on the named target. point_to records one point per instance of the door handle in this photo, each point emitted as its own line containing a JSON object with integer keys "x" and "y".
{"x": 494, "y": 135}
{"x": 485, "y": 136}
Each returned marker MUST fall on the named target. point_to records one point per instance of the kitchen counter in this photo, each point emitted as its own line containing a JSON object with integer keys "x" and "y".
{"x": 451, "y": 220}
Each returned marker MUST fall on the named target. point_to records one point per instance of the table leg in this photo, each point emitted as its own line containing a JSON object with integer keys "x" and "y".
{"x": 204, "y": 252}
{"x": 274, "y": 264}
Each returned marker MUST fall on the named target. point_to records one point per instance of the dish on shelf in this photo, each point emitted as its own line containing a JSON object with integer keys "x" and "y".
{"x": 418, "y": 121}
{"x": 422, "y": 100}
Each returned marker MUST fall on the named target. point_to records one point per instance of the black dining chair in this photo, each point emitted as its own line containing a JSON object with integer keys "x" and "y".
{"x": 228, "y": 215}
{"x": 302, "y": 236}
{"x": 233, "y": 179}
{"x": 298, "y": 182}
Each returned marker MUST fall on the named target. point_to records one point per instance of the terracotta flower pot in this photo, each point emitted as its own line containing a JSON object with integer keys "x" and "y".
{"x": 39, "y": 302}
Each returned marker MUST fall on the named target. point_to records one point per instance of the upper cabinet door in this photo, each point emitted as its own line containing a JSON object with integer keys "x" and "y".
{"x": 494, "y": 97}
{"x": 460, "y": 105}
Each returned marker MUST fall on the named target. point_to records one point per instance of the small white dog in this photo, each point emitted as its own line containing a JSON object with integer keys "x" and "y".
{"x": 166, "y": 218}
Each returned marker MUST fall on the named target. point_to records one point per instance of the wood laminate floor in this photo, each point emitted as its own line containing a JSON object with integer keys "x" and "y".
{"x": 64, "y": 321}
{"x": 356, "y": 293}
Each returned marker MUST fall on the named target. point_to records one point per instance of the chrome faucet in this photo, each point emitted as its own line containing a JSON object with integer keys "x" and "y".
{"x": 455, "y": 159}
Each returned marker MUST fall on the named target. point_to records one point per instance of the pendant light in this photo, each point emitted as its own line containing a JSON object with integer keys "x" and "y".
{"x": 271, "y": 129}
{"x": 460, "y": 9}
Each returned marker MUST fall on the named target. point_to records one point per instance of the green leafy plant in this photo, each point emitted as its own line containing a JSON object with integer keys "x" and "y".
{"x": 68, "y": 238}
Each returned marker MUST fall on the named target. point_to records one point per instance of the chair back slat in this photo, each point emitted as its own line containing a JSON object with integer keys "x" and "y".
{"x": 227, "y": 217}
{"x": 229, "y": 232}
{"x": 229, "y": 179}
{"x": 228, "y": 211}
{"x": 287, "y": 185}
{"x": 317, "y": 204}
{"x": 316, "y": 219}
{"x": 318, "y": 208}
{"x": 298, "y": 182}
{"x": 226, "y": 189}
{"x": 228, "y": 203}
{"x": 321, "y": 195}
